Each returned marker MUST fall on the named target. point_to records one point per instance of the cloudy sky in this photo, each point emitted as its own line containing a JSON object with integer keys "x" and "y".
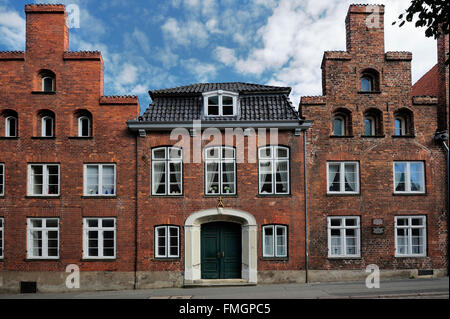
{"x": 153, "y": 44}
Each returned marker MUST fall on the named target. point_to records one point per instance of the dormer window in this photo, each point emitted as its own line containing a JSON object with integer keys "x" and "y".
{"x": 220, "y": 103}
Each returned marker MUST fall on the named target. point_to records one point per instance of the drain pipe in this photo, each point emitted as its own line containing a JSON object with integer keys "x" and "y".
{"x": 305, "y": 187}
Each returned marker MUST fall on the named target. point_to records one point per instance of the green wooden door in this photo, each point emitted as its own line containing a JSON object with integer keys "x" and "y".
{"x": 221, "y": 250}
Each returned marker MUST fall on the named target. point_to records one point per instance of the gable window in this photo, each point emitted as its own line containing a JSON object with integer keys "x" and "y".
{"x": 167, "y": 242}
{"x": 273, "y": 170}
{"x": 1, "y": 238}
{"x": 2, "y": 179}
{"x": 220, "y": 103}
{"x": 342, "y": 122}
{"x": 366, "y": 83}
{"x": 47, "y": 126}
{"x": 274, "y": 241}
{"x": 343, "y": 236}
{"x": 338, "y": 126}
{"x": 409, "y": 177}
{"x": 403, "y": 122}
{"x": 220, "y": 170}
{"x": 167, "y": 171}
{"x": 11, "y": 126}
{"x": 43, "y": 238}
{"x": 47, "y": 84}
{"x": 43, "y": 179}
{"x": 342, "y": 177}
{"x": 400, "y": 126}
{"x": 369, "y": 81}
{"x": 99, "y": 179}
{"x": 410, "y": 236}
{"x": 99, "y": 236}
{"x": 369, "y": 126}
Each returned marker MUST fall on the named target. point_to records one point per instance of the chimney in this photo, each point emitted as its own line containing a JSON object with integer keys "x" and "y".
{"x": 47, "y": 33}
{"x": 365, "y": 29}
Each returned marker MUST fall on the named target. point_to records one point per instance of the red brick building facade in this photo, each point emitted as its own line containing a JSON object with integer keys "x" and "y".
{"x": 165, "y": 199}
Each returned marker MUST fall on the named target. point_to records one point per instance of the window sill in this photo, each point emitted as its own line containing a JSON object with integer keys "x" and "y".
{"x": 166, "y": 259}
{"x": 44, "y": 196}
{"x": 167, "y": 196}
{"x": 373, "y": 136}
{"x": 403, "y": 136}
{"x": 220, "y": 195}
{"x": 9, "y": 137}
{"x": 409, "y": 194}
{"x": 343, "y": 194}
{"x": 42, "y": 259}
{"x": 410, "y": 256}
{"x": 80, "y": 137}
{"x": 98, "y": 196}
{"x": 43, "y": 137}
{"x": 369, "y": 92}
{"x": 342, "y": 136}
{"x": 274, "y": 259}
{"x": 44, "y": 92}
{"x": 344, "y": 257}
{"x": 273, "y": 195}
{"x": 98, "y": 259}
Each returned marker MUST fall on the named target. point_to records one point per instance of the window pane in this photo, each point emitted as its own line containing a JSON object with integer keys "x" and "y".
{"x": 398, "y": 129}
{"x": 84, "y": 122}
{"x": 108, "y": 223}
{"x": 159, "y": 153}
{"x": 265, "y": 177}
{"x": 174, "y": 153}
{"x": 228, "y": 153}
{"x": 282, "y": 152}
{"x": 350, "y": 177}
{"x": 338, "y": 127}
{"x": 159, "y": 177}
{"x": 213, "y": 110}
{"x": 400, "y": 177}
{"x": 227, "y": 100}
{"x": 92, "y": 222}
{"x": 36, "y": 242}
{"x": 227, "y": 110}
{"x": 108, "y": 243}
{"x": 52, "y": 223}
{"x": 335, "y": 221}
{"x": 93, "y": 243}
{"x": 366, "y": 84}
{"x": 281, "y": 241}
{"x": 48, "y": 126}
{"x": 265, "y": 152}
{"x": 268, "y": 241}
{"x": 416, "y": 177}
{"x": 47, "y": 84}
{"x": 368, "y": 126}
{"x": 108, "y": 180}
{"x": 334, "y": 177}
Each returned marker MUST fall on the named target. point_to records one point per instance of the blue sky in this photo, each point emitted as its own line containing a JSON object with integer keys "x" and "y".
{"x": 155, "y": 44}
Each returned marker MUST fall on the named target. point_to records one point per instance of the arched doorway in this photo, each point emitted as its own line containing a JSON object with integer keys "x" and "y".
{"x": 220, "y": 224}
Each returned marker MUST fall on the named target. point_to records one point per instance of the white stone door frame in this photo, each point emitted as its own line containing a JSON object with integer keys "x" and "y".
{"x": 192, "y": 240}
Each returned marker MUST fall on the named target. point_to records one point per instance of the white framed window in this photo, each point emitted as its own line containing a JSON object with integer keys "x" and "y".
{"x": 220, "y": 103}
{"x": 410, "y": 236}
{"x": 47, "y": 124}
{"x": 399, "y": 126}
{"x": 43, "y": 238}
{"x": 99, "y": 179}
{"x": 338, "y": 126}
{"x": 409, "y": 177}
{"x": 167, "y": 171}
{"x": 84, "y": 126}
{"x": 2, "y": 179}
{"x": 220, "y": 170}
{"x": 342, "y": 177}
{"x": 273, "y": 170}
{"x": 344, "y": 236}
{"x": 274, "y": 241}
{"x": 48, "y": 84}
{"x": 11, "y": 126}
{"x": 369, "y": 126}
{"x": 99, "y": 238}
{"x": 2, "y": 238}
{"x": 167, "y": 241}
{"x": 43, "y": 179}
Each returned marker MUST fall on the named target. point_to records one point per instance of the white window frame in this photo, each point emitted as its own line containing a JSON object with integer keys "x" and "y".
{"x": 80, "y": 126}
{"x": 53, "y": 83}
{"x": 274, "y": 159}
{"x": 8, "y": 126}
{"x": 100, "y": 229}
{"x": 220, "y": 94}
{"x": 402, "y": 126}
{"x": 44, "y": 229}
{"x": 342, "y": 119}
{"x": 220, "y": 160}
{"x": 99, "y": 180}
{"x": 343, "y": 236}
{"x": 408, "y": 178}
{"x": 44, "y": 126}
{"x": 45, "y": 179}
{"x": 167, "y": 160}
{"x": 410, "y": 227}
{"x": 342, "y": 178}
{"x": 372, "y": 125}
{"x": 167, "y": 247}
{"x": 2, "y": 238}
{"x": 274, "y": 228}
{"x": 2, "y": 179}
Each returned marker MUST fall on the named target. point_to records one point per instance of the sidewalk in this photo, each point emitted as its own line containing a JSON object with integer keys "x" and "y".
{"x": 407, "y": 288}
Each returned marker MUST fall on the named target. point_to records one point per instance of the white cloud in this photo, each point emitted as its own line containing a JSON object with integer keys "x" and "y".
{"x": 12, "y": 29}
{"x": 203, "y": 72}
{"x": 225, "y": 55}
{"x": 142, "y": 39}
{"x": 187, "y": 33}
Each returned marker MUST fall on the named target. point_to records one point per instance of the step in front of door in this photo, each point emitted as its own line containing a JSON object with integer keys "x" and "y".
{"x": 218, "y": 283}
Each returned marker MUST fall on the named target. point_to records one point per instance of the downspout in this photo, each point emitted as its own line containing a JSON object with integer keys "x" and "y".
{"x": 305, "y": 187}
{"x": 136, "y": 218}
{"x": 448, "y": 202}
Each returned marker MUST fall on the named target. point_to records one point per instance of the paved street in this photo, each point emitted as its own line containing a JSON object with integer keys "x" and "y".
{"x": 408, "y": 288}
